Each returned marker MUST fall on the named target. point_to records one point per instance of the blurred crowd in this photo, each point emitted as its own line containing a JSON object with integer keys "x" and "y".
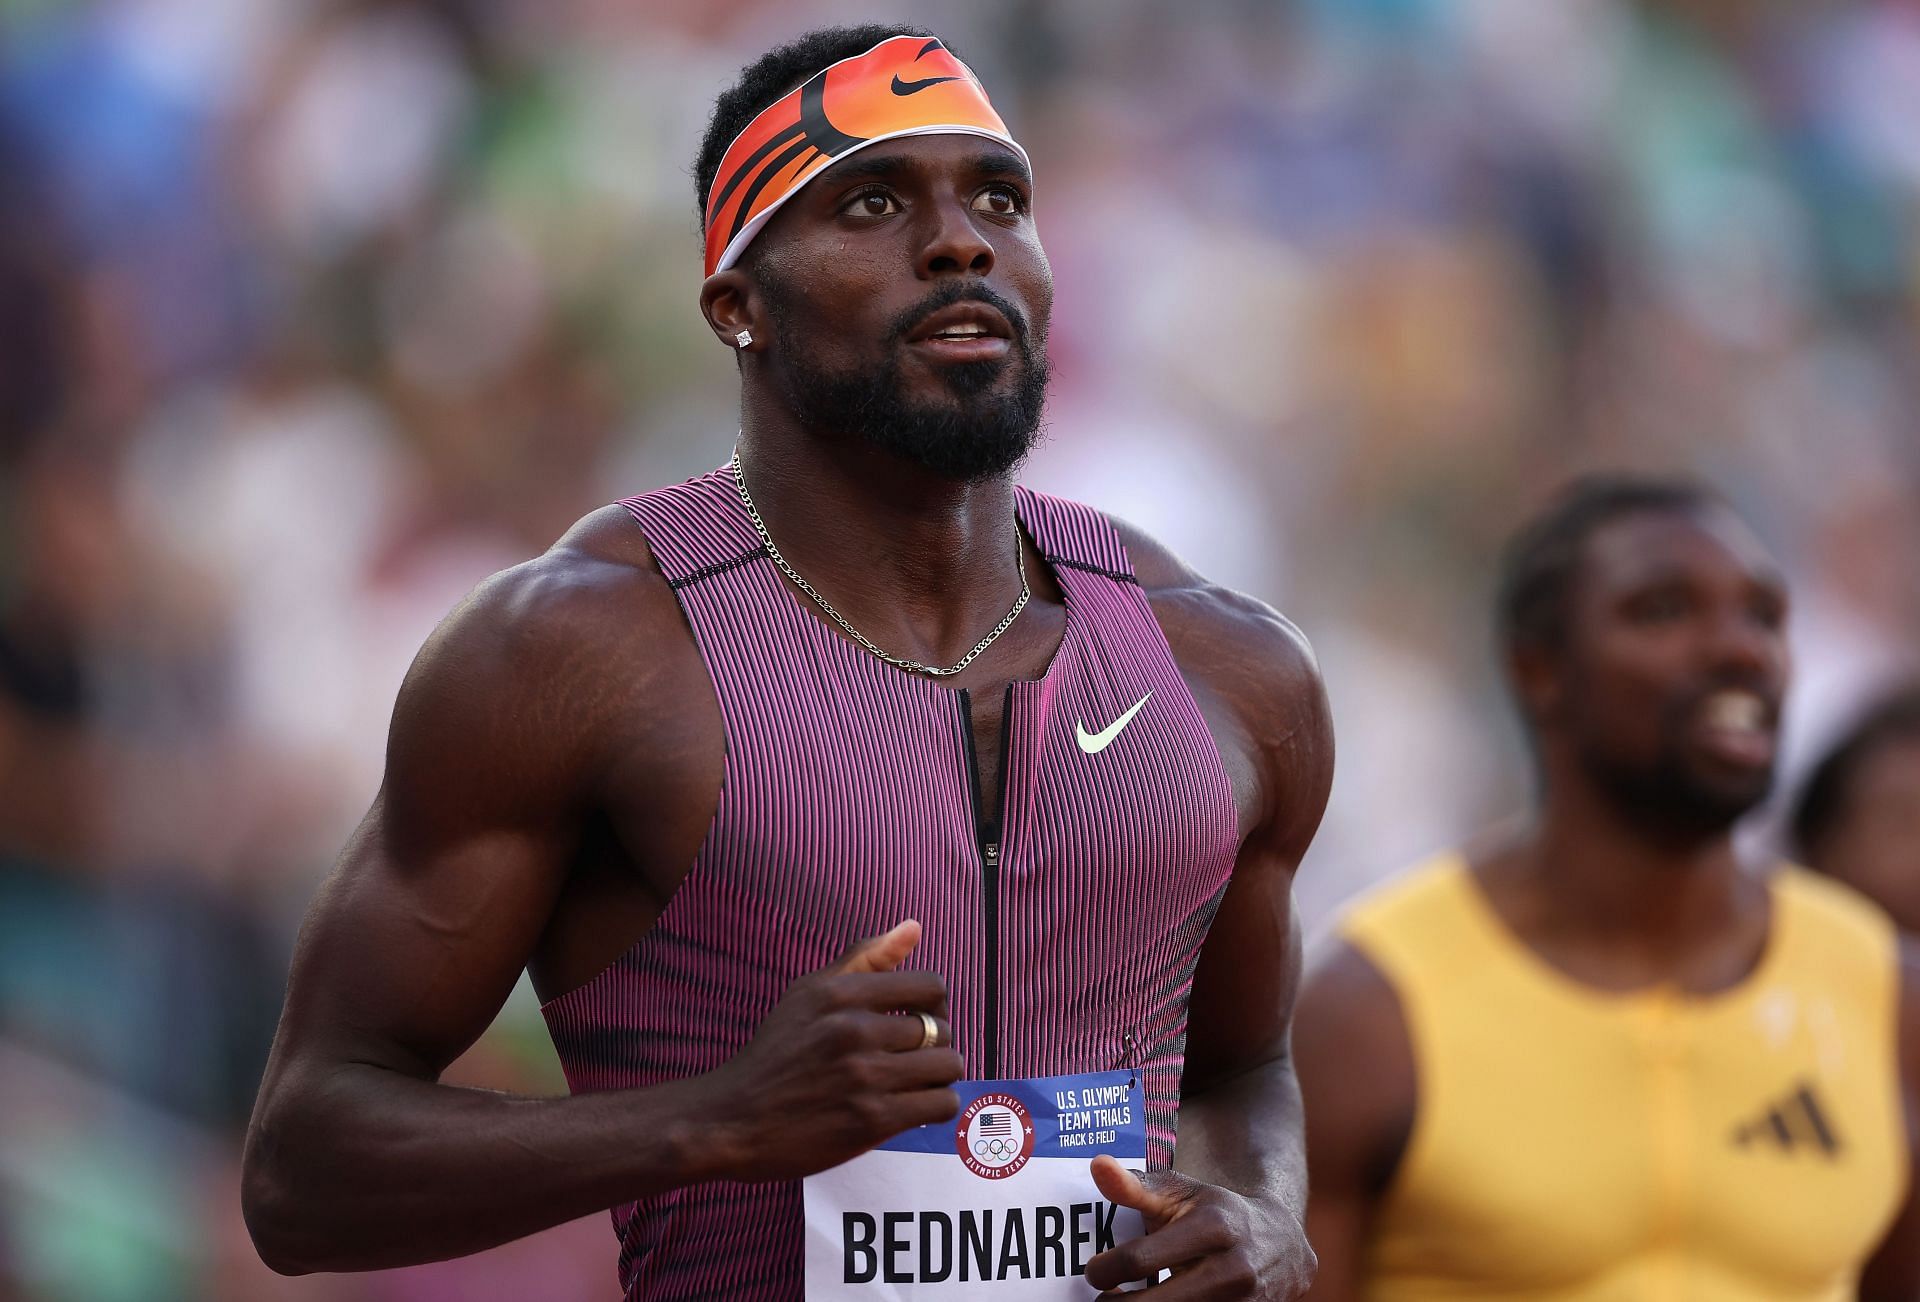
{"x": 313, "y": 314}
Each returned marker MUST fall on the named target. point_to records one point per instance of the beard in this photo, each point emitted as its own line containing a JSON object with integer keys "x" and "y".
{"x": 1671, "y": 797}
{"x": 978, "y": 429}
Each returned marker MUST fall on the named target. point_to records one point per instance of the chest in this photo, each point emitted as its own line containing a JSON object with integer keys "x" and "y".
{"x": 1063, "y": 879}
{"x": 1093, "y": 774}
{"x": 1657, "y": 1141}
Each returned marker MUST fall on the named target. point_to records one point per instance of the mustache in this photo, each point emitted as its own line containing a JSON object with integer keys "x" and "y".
{"x": 958, "y": 292}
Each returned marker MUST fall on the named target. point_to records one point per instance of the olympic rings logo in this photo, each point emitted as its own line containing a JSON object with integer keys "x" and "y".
{"x": 994, "y": 1136}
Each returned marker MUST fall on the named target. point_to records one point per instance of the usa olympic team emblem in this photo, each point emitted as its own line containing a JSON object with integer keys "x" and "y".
{"x": 994, "y": 1136}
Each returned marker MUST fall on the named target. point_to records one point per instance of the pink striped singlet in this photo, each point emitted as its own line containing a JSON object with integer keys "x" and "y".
{"x": 1066, "y": 911}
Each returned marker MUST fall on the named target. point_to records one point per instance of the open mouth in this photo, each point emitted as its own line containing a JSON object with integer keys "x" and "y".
{"x": 1737, "y": 727}
{"x": 965, "y": 332}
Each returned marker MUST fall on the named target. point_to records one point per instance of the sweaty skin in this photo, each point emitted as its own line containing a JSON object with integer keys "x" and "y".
{"x": 1667, "y": 605}
{"x": 555, "y": 761}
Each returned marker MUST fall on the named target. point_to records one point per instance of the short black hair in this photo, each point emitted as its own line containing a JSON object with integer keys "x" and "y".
{"x": 779, "y": 72}
{"x": 1539, "y": 563}
{"x": 1823, "y": 800}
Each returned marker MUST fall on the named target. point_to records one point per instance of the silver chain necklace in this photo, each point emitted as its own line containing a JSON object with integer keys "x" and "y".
{"x": 766, "y": 539}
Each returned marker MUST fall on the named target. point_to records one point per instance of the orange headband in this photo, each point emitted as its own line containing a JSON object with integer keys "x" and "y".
{"x": 904, "y": 86}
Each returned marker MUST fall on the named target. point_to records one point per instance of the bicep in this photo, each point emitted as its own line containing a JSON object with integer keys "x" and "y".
{"x": 405, "y": 957}
{"x": 417, "y": 937}
{"x": 1357, "y": 1082}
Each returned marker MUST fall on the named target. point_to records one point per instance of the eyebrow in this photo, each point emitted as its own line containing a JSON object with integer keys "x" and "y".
{"x": 870, "y": 164}
{"x": 1001, "y": 162}
{"x": 864, "y": 165}
{"x": 1666, "y": 573}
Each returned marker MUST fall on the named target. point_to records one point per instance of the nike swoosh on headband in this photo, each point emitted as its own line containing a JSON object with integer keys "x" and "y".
{"x": 915, "y": 87}
{"x": 1095, "y": 742}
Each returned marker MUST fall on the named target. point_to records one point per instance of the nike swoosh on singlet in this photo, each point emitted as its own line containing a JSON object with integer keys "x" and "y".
{"x": 915, "y": 87}
{"x": 1095, "y": 742}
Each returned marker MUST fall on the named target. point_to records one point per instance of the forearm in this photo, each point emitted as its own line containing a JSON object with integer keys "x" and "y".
{"x": 1245, "y": 1133}
{"x": 373, "y": 1168}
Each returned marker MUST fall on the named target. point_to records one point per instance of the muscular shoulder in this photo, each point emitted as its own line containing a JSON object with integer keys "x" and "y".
{"x": 1258, "y": 664}
{"x": 554, "y": 659}
{"x": 589, "y": 585}
{"x": 1195, "y": 610}
{"x": 526, "y": 631}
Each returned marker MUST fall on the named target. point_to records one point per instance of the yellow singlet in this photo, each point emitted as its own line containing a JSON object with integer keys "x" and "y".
{"x": 1572, "y": 1145}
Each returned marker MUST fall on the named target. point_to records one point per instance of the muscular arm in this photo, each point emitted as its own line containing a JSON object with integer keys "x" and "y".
{"x": 1240, "y": 1113}
{"x": 357, "y": 1158}
{"x": 553, "y": 684}
{"x": 1240, "y": 1121}
{"x": 1357, "y": 1078}
{"x": 1894, "y": 1273}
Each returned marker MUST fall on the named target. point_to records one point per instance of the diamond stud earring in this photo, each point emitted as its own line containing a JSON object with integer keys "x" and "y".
{"x": 742, "y": 339}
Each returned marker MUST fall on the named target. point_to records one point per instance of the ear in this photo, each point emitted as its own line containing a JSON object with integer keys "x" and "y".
{"x": 1539, "y": 680}
{"x": 731, "y": 304}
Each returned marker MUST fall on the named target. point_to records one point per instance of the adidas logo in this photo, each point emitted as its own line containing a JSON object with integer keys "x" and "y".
{"x": 1796, "y": 1121}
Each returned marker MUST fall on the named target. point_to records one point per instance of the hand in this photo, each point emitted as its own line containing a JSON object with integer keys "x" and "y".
{"x": 1219, "y": 1244}
{"x": 833, "y": 1070}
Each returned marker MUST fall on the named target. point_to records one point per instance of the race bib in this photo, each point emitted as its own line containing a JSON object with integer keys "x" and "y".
{"x": 996, "y": 1203}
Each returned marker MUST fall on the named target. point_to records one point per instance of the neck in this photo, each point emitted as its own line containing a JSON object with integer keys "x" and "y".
{"x": 1600, "y": 876}
{"x": 922, "y": 564}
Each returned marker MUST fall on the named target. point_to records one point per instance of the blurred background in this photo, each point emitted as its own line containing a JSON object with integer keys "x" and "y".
{"x": 314, "y": 313}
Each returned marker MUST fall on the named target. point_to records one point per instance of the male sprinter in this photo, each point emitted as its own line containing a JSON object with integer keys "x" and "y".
{"x": 854, "y": 683}
{"x": 1858, "y": 818}
{"x": 1598, "y": 1061}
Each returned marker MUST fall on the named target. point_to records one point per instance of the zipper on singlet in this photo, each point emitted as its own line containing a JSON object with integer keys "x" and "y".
{"x": 989, "y": 836}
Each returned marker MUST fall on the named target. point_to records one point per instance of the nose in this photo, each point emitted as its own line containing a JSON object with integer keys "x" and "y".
{"x": 1744, "y": 645}
{"x": 954, "y": 244}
